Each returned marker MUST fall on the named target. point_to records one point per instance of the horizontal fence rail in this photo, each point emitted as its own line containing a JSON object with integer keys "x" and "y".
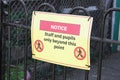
{"x": 92, "y": 38}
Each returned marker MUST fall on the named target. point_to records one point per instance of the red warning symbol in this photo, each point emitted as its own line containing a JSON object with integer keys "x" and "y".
{"x": 79, "y": 53}
{"x": 39, "y": 45}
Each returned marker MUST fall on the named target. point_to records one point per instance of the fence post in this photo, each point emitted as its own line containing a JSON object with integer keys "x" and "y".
{"x": 1, "y": 38}
{"x": 3, "y": 4}
{"x": 101, "y": 41}
{"x": 26, "y": 36}
{"x": 2, "y": 66}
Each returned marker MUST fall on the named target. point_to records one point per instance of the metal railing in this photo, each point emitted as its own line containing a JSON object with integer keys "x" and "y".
{"x": 49, "y": 8}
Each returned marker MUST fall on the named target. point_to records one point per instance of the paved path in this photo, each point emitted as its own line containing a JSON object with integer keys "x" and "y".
{"x": 110, "y": 70}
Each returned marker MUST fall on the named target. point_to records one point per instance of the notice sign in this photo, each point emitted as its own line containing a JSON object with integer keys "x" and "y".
{"x": 61, "y": 39}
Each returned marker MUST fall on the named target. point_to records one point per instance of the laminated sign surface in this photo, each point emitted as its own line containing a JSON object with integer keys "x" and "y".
{"x": 61, "y": 39}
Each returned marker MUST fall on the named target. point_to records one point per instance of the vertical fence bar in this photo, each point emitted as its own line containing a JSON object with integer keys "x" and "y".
{"x": 3, "y": 14}
{"x": 9, "y": 47}
{"x": 100, "y": 51}
{"x": 17, "y": 56}
{"x": 25, "y": 58}
{"x": 1, "y": 71}
{"x": 101, "y": 42}
{"x": 34, "y": 74}
{"x": 26, "y": 42}
{"x": 86, "y": 75}
{"x": 53, "y": 74}
{"x": 64, "y": 75}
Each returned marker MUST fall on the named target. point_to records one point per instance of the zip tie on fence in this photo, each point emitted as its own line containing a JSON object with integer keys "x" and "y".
{"x": 88, "y": 65}
{"x": 89, "y": 18}
{"x": 33, "y": 54}
{"x": 34, "y": 13}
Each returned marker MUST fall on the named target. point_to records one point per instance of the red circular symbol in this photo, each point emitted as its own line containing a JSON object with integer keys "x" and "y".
{"x": 39, "y": 45}
{"x": 79, "y": 53}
